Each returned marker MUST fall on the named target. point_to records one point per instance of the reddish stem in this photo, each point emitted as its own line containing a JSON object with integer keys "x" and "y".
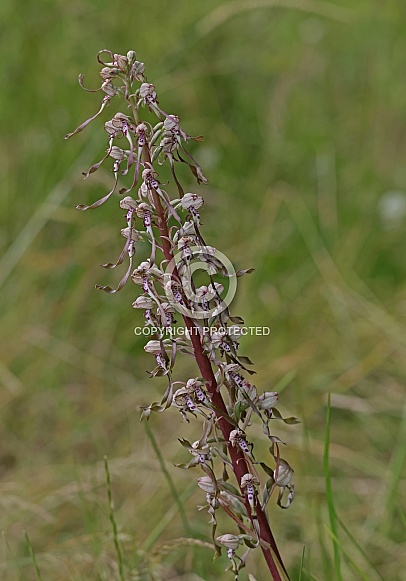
{"x": 237, "y": 457}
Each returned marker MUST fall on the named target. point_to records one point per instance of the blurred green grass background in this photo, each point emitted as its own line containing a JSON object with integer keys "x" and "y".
{"x": 302, "y": 104}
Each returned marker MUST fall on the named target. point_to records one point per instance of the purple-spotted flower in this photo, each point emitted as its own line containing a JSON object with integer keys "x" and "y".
{"x": 183, "y": 400}
{"x": 145, "y": 273}
{"x": 196, "y": 388}
{"x": 231, "y": 542}
{"x": 155, "y": 347}
{"x": 239, "y": 439}
{"x": 249, "y": 483}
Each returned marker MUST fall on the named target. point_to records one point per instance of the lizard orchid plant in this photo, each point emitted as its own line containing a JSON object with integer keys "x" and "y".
{"x": 221, "y": 395}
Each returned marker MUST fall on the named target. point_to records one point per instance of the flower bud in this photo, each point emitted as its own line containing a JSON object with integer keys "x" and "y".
{"x": 109, "y": 88}
{"x": 128, "y": 203}
{"x": 109, "y": 73}
{"x": 189, "y": 200}
{"x": 153, "y": 347}
{"x": 206, "y": 484}
{"x": 131, "y": 56}
{"x": 143, "y": 303}
{"x": 135, "y": 235}
{"x": 284, "y": 473}
{"x": 121, "y": 62}
{"x": 267, "y": 400}
{"x": 117, "y": 153}
{"x": 230, "y": 541}
{"x": 143, "y": 190}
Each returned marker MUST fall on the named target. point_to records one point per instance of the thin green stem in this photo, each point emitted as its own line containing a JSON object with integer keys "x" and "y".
{"x": 33, "y": 557}
{"x": 302, "y": 563}
{"x": 330, "y": 495}
{"x": 169, "y": 480}
{"x": 113, "y": 521}
{"x": 359, "y": 547}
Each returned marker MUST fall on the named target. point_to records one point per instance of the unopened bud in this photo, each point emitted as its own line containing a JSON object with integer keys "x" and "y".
{"x": 143, "y": 303}
{"x": 105, "y": 73}
{"x": 189, "y": 200}
{"x": 135, "y": 235}
{"x": 284, "y": 473}
{"x": 117, "y": 153}
{"x": 206, "y": 484}
{"x": 109, "y": 72}
{"x": 267, "y": 400}
{"x": 109, "y": 88}
{"x": 121, "y": 62}
{"x": 131, "y": 56}
{"x": 230, "y": 541}
{"x": 153, "y": 347}
{"x": 128, "y": 203}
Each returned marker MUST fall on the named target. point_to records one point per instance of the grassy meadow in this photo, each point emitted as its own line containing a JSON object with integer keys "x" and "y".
{"x": 302, "y": 104}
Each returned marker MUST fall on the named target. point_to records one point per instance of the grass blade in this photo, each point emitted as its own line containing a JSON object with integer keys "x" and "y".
{"x": 168, "y": 478}
{"x": 360, "y": 549}
{"x": 350, "y": 560}
{"x": 302, "y": 563}
{"x": 154, "y": 535}
{"x": 113, "y": 521}
{"x": 330, "y": 495}
{"x": 33, "y": 557}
